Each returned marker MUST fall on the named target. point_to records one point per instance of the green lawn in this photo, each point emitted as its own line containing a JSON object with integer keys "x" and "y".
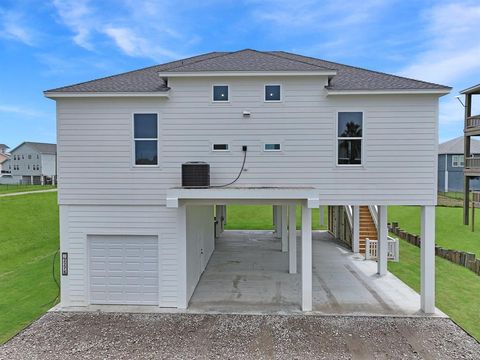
{"x": 6, "y": 189}
{"x": 251, "y": 217}
{"x": 450, "y": 231}
{"x": 457, "y": 288}
{"x": 28, "y": 241}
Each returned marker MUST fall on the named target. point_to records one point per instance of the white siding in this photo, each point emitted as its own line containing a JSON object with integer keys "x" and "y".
{"x": 48, "y": 164}
{"x": 80, "y": 222}
{"x": 95, "y": 163}
{"x": 200, "y": 243}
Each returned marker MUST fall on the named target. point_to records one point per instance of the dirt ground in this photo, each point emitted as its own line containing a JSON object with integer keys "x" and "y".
{"x": 188, "y": 336}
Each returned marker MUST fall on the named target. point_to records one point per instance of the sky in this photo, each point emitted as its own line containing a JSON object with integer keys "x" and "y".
{"x": 51, "y": 43}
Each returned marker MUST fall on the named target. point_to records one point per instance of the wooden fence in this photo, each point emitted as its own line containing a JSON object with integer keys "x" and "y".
{"x": 461, "y": 258}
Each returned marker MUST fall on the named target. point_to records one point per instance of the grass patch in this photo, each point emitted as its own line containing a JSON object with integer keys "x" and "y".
{"x": 7, "y": 189}
{"x": 457, "y": 288}
{"x": 450, "y": 231}
{"x": 259, "y": 217}
{"x": 29, "y": 237}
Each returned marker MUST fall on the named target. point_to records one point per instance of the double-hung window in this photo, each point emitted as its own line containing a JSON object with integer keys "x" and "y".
{"x": 457, "y": 160}
{"x": 349, "y": 138}
{"x": 145, "y": 136}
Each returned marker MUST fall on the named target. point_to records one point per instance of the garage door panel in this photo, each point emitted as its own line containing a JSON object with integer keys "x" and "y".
{"x": 123, "y": 270}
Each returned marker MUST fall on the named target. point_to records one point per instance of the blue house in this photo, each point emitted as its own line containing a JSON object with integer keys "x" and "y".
{"x": 450, "y": 165}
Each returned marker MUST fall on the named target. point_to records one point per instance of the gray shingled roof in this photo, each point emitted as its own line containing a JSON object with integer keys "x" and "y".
{"x": 347, "y": 78}
{"x": 455, "y": 146}
{"x": 42, "y": 148}
{"x": 3, "y": 146}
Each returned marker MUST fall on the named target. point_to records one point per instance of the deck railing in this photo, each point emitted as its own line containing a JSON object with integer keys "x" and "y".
{"x": 473, "y": 122}
{"x": 472, "y": 163}
{"x": 476, "y": 197}
{"x": 393, "y": 252}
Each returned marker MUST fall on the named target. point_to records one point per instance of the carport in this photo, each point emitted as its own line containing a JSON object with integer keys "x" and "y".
{"x": 306, "y": 197}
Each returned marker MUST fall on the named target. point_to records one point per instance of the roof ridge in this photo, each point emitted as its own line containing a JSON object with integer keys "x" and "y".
{"x": 276, "y": 53}
{"x": 365, "y": 69}
{"x": 128, "y": 72}
{"x": 224, "y": 53}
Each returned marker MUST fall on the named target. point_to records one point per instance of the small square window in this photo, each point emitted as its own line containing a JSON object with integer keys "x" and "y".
{"x": 272, "y": 92}
{"x": 220, "y": 93}
{"x": 220, "y": 147}
{"x": 272, "y": 147}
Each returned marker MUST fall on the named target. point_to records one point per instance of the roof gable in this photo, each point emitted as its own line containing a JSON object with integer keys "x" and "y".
{"x": 42, "y": 148}
{"x": 455, "y": 146}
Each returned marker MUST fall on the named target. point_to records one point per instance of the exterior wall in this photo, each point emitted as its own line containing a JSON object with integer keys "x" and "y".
{"x": 48, "y": 165}
{"x": 101, "y": 192}
{"x": 400, "y": 145}
{"x": 78, "y": 222}
{"x": 200, "y": 243}
{"x": 455, "y": 175}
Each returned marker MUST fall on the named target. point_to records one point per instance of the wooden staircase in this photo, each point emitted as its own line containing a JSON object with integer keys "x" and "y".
{"x": 367, "y": 227}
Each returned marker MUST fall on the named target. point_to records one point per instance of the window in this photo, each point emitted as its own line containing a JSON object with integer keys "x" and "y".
{"x": 145, "y": 135}
{"x": 272, "y": 93}
{"x": 349, "y": 138}
{"x": 29, "y": 156}
{"x": 220, "y": 147}
{"x": 272, "y": 147}
{"x": 457, "y": 160}
{"x": 28, "y": 166}
{"x": 220, "y": 92}
{"x": 23, "y": 157}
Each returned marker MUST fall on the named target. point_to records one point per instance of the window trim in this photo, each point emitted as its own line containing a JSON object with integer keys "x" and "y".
{"x": 265, "y": 93}
{"x": 216, "y": 150}
{"x": 221, "y": 101}
{"x": 362, "y": 139}
{"x": 459, "y": 163}
{"x": 133, "y": 139}
{"x": 272, "y": 143}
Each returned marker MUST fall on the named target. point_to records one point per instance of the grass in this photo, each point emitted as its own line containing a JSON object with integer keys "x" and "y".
{"x": 457, "y": 288}
{"x": 450, "y": 231}
{"x": 28, "y": 241}
{"x": 253, "y": 217}
{"x": 6, "y": 189}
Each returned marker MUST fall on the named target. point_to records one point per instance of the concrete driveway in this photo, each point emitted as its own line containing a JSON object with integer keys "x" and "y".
{"x": 185, "y": 336}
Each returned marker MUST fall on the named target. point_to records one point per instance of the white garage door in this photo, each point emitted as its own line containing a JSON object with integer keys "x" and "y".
{"x": 123, "y": 270}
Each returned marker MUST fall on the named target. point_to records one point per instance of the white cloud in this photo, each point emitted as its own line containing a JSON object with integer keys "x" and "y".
{"x": 138, "y": 29}
{"x": 77, "y": 15}
{"x": 134, "y": 45}
{"x": 20, "y": 110}
{"x": 453, "y": 49}
{"x": 13, "y": 27}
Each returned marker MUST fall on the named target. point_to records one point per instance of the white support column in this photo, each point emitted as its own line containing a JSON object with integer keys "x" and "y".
{"x": 321, "y": 215}
{"x": 284, "y": 228}
{"x": 292, "y": 240}
{"x": 382, "y": 249}
{"x": 307, "y": 287}
{"x": 356, "y": 229}
{"x": 182, "y": 256}
{"x": 427, "y": 259}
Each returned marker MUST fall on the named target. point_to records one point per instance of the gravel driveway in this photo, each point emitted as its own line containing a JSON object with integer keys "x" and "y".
{"x": 186, "y": 336}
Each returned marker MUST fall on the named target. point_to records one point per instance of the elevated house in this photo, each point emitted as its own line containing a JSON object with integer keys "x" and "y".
{"x": 4, "y": 156}
{"x": 33, "y": 163}
{"x": 472, "y": 163}
{"x": 262, "y": 127}
{"x": 451, "y": 163}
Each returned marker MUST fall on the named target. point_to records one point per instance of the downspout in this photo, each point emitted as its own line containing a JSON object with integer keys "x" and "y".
{"x": 446, "y": 172}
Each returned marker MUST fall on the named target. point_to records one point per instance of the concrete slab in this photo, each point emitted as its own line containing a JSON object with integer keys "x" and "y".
{"x": 248, "y": 273}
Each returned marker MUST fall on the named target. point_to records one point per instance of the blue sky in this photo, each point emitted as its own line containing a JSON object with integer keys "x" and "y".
{"x": 46, "y": 44}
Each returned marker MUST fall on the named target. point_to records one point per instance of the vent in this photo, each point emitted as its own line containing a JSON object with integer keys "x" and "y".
{"x": 195, "y": 174}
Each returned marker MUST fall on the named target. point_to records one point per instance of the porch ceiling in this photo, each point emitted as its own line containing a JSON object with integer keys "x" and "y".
{"x": 244, "y": 194}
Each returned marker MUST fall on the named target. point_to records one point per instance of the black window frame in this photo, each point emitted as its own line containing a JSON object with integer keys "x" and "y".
{"x": 220, "y": 100}
{"x": 138, "y": 140}
{"x": 351, "y": 140}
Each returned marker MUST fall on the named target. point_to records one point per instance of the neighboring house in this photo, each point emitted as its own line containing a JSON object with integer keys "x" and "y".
{"x": 3, "y": 157}
{"x": 33, "y": 163}
{"x": 311, "y": 132}
{"x": 472, "y": 163}
{"x": 451, "y": 164}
